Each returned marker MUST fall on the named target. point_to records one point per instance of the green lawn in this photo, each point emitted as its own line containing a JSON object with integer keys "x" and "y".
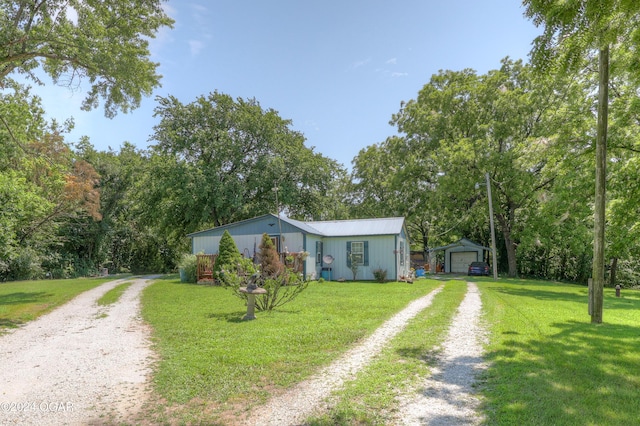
{"x": 113, "y": 295}
{"x": 551, "y": 366}
{"x": 548, "y": 364}
{"x": 23, "y": 301}
{"x": 370, "y": 397}
{"x": 212, "y": 361}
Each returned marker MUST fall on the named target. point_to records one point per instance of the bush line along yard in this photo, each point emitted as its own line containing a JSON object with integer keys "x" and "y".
{"x": 547, "y": 363}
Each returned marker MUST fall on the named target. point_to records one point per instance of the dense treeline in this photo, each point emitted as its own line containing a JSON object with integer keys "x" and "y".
{"x": 67, "y": 209}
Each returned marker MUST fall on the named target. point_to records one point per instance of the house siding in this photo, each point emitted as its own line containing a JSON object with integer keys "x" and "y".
{"x": 380, "y": 256}
{"x": 293, "y": 242}
{"x": 313, "y": 269}
{"x": 383, "y": 251}
{"x": 403, "y": 255}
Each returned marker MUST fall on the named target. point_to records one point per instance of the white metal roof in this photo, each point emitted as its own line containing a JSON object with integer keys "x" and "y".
{"x": 346, "y": 228}
{"x": 331, "y": 228}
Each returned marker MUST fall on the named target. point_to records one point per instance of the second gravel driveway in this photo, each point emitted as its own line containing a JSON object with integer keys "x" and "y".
{"x": 80, "y": 364}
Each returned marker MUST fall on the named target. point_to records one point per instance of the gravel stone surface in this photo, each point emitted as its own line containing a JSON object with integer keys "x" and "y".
{"x": 88, "y": 365}
{"x": 81, "y": 364}
{"x": 297, "y": 403}
{"x": 446, "y": 397}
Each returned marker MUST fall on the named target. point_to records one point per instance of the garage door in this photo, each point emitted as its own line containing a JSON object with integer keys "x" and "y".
{"x": 460, "y": 261}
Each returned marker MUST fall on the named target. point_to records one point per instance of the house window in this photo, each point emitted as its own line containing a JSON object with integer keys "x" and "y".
{"x": 318, "y": 252}
{"x": 358, "y": 252}
{"x": 401, "y": 252}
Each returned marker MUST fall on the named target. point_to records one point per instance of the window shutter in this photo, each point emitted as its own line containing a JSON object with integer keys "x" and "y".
{"x": 366, "y": 253}
{"x": 348, "y": 254}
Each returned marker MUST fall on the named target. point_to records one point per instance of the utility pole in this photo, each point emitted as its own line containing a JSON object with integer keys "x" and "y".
{"x": 599, "y": 219}
{"x": 494, "y": 262}
{"x": 280, "y": 242}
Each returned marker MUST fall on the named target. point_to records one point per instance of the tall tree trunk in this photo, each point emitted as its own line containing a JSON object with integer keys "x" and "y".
{"x": 425, "y": 246}
{"x": 612, "y": 272}
{"x": 601, "y": 174}
{"x": 509, "y": 244}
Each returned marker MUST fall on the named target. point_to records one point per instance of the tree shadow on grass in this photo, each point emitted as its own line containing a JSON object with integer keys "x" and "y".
{"x": 583, "y": 374}
{"x": 7, "y": 323}
{"x": 20, "y": 298}
{"x": 417, "y": 352}
{"x": 235, "y": 317}
{"x": 628, "y": 301}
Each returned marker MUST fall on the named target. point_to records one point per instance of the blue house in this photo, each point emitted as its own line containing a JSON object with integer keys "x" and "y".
{"x": 373, "y": 243}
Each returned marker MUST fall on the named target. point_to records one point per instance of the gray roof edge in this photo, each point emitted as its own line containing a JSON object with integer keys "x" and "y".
{"x": 459, "y": 243}
{"x": 233, "y": 224}
{"x": 308, "y": 226}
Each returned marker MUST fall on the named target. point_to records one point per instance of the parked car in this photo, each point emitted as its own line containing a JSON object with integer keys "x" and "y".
{"x": 479, "y": 268}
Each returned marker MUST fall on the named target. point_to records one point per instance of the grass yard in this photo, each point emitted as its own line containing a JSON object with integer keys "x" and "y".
{"x": 370, "y": 398}
{"x": 550, "y": 365}
{"x": 23, "y": 301}
{"x": 212, "y": 363}
{"x": 113, "y": 295}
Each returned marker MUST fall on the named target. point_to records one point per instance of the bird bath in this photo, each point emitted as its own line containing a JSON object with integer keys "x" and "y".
{"x": 251, "y": 290}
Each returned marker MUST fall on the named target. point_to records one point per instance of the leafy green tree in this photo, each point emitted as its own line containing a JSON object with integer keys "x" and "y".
{"x": 393, "y": 178}
{"x": 504, "y": 123}
{"x": 104, "y": 42}
{"x": 217, "y": 160}
{"x": 572, "y": 31}
{"x": 123, "y": 241}
{"x": 228, "y": 256}
{"x": 47, "y": 185}
{"x": 556, "y": 241}
{"x": 281, "y": 281}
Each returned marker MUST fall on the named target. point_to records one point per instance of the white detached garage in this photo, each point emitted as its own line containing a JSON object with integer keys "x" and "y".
{"x": 458, "y": 255}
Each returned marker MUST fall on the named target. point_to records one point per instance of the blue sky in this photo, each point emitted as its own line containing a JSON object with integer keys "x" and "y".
{"x": 337, "y": 68}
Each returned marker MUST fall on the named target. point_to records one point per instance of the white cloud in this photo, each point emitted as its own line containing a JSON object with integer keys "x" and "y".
{"x": 358, "y": 64}
{"x": 195, "y": 46}
{"x": 169, "y": 10}
{"x": 199, "y": 8}
{"x": 164, "y": 36}
{"x": 399, "y": 74}
{"x": 200, "y": 15}
{"x": 391, "y": 61}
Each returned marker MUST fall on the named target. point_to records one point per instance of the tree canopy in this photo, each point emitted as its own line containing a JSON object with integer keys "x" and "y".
{"x": 463, "y": 125}
{"x": 67, "y": 209}
{"x": 104, "y": 42}
{"x": 572, "y": 32}
{"x": 218, "y": 160}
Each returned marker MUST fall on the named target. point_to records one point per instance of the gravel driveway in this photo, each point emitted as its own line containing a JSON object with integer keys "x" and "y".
{"x": 88, "y": 365}
{"x": 81, "y": 364}
{"x": 446, "y": 398}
